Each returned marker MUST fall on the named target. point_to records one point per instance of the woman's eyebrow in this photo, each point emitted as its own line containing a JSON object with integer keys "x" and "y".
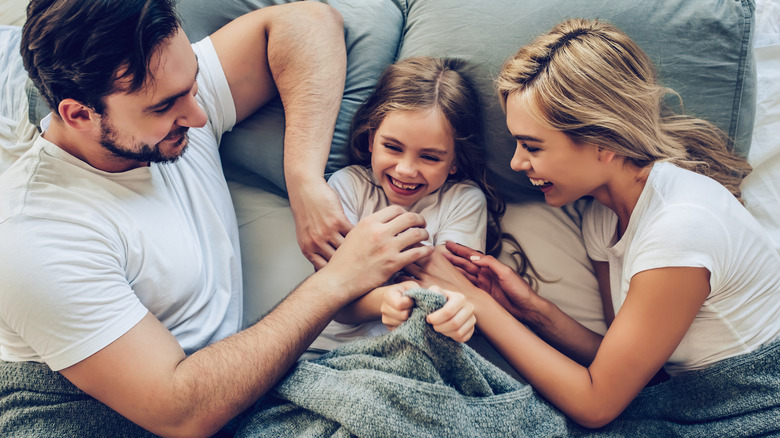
{"x": 528, "y": 138}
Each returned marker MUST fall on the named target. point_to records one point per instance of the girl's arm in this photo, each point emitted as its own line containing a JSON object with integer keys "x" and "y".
{"x": 659, "y": 309}
{"x": 363, "y": 309}
{"x": 368, "y": 307}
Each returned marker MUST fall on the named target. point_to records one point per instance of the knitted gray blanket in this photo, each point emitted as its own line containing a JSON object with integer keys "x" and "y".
{"x": 415, "y": 382}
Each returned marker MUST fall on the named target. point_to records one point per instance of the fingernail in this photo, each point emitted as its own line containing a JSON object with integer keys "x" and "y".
{"x": 472, "y": 258}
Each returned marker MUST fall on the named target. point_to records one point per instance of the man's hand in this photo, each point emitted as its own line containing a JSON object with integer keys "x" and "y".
{"x": 320, "y": 224}
{"x": 378, "y": 246}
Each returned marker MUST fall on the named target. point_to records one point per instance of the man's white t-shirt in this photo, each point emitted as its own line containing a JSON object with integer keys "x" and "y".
{"x": 685, "y": 219}
{"x": 85, "y": 254}
{"x": 456, "y": 212}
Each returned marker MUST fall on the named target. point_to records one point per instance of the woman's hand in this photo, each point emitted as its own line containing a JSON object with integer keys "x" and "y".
{"x": 497, "y": 279}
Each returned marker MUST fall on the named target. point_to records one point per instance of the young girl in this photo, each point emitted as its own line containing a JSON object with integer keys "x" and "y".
{"x": 416, "y": 142}
{"x": 689, "y": 279}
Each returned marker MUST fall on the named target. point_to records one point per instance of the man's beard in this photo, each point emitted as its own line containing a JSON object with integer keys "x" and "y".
{"x": 142, "y": 152}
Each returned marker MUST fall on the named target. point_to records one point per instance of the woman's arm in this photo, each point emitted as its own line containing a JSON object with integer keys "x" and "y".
{"x": 512, "y": 293}
{"x": 660, "y": 307}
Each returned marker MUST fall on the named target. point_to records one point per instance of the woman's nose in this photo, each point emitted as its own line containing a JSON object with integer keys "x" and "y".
{"x": 520, "y": 161}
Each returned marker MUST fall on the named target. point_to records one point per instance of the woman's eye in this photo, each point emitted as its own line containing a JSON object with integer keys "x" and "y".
{"x": 531, "y": 149}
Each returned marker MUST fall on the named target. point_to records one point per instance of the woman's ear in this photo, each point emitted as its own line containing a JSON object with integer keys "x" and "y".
{"x": 77, "y": 115}
{"x": 605, "y": 156}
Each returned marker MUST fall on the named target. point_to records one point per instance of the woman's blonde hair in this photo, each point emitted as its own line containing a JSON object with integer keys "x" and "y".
{"x": 589, "y": 80}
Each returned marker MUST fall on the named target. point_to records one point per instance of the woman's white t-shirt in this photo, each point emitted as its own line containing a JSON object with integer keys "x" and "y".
{"x": 685, "y": 219}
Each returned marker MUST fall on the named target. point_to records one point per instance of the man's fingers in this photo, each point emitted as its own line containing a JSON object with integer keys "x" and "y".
{"x": 318, "y": 261}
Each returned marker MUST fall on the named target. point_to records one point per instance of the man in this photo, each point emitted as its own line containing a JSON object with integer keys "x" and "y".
{"x": 119, "y": 259}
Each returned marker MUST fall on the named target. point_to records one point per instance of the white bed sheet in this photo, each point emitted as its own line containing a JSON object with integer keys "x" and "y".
{"x": 761, "y": 189}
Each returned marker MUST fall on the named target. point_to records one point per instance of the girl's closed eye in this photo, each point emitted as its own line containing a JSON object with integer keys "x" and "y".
{"x": 432, "y": 158}
{"x": 392, "y": 147}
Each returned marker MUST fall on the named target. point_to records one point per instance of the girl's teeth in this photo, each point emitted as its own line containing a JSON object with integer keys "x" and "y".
{"x": 401, "y": 185}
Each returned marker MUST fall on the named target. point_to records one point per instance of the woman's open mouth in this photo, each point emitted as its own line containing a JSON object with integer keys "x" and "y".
{"x": 543, "y": 184}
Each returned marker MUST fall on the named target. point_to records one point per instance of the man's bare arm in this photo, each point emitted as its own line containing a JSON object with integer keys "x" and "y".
{"x": 298, "y": 51}
{"x": 145, "y": 376}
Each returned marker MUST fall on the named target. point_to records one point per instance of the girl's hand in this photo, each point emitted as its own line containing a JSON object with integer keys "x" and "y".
{"x": 397, "y": 307}
{"x": 456, "y": 318}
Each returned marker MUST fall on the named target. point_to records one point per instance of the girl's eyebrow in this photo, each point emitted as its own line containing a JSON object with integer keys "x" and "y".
{"x": 433, "y": 151}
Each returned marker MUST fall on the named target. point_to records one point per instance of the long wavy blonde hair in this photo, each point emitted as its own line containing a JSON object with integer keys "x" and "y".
{"x": 589, "y": 80}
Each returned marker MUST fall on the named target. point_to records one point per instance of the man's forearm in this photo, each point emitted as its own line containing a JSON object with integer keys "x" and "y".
{"x": 220, "y": 381}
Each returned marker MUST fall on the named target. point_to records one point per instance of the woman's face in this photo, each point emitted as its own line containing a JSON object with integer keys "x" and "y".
{"x": 412, "y": 154}
{"x": 562, "y": 169}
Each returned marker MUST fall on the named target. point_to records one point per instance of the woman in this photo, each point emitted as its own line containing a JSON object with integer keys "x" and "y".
{"x": 688, "y": 278}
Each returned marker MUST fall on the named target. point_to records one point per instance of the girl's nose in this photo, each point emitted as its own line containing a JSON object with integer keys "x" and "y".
{"x": 406, "y": 167}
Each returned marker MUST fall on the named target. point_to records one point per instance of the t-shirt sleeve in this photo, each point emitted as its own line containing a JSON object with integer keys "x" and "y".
{"x": 598, "y": 230}
{"x": 53, "y": 284}
{"x": 679, "y": 236}
{"x": 213, "y": 90}
{"x": 464, "y": 217}
{"x": 347, "y": 183}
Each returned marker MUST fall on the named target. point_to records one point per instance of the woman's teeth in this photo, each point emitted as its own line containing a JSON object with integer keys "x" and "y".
{"x": 539, "y": 182}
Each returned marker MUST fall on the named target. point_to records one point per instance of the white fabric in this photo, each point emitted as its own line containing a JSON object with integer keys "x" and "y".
{"x": 685, "y": 219}
{"x": 456, "y": 212}
{"x": 761, "y": 189}
{"x": 17, "y": 134}
{"x": 86, "y": 253}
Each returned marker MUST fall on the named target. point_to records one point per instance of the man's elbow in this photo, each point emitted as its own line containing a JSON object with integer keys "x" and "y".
{"x": 320, "y": 13}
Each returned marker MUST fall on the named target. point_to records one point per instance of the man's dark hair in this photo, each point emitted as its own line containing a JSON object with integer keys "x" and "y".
{"x": 76, "y": 48}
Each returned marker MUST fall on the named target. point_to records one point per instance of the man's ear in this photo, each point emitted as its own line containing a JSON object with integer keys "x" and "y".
{"x": 77, "y": 115}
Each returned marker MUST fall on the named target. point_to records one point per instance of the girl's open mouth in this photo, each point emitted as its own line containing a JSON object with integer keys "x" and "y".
{"x": 403, "y": 188}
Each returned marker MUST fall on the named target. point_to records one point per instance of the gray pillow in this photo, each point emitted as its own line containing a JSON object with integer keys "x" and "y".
{"x": 703, "y": 50}
{"x": 252, "y": 151}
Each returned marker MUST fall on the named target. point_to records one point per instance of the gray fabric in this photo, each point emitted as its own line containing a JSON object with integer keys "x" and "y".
{"x": 415, "y": 382}
{"x": 38, "y": 402}
{"x": 252, "y": 153}
{"x": 702, "y": 49}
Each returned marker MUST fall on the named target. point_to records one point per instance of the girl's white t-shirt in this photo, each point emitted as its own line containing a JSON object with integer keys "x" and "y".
{"x": 456, "y": 212}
